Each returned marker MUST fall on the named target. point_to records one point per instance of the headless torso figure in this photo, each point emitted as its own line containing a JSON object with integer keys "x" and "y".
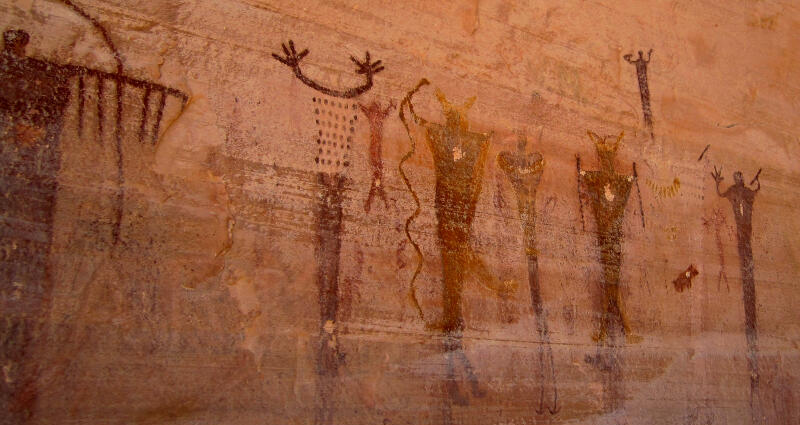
{"x": 608, "y": 194}
{"x": 33, "y": 97}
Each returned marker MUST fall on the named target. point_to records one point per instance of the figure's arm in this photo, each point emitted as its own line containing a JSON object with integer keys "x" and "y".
{"x": 388, "y": 108}
{"x": 717, "y": 175}
{"x": 638, "y": 193}
{"x": 628, "y": 58}
{"x": 580, "y": 200}
{"x": 756, "y": 180}
{"x": 292, "y": 60}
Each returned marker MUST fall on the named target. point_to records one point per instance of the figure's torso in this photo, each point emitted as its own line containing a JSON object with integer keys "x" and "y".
{"x": 609, "y": 195}
{"x": 459, "y": 161}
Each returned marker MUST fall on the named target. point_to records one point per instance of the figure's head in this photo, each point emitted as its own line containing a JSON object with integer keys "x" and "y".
{"x": 455, "y": 116}
{"x": 15, "y": 41}
{"x": 738, "y": 178}
{"x": 606, "y": 149}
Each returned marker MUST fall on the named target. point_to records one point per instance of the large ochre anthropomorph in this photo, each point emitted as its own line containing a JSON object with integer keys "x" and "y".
{"x": 608, "y": 193}
{"x": 459, "y": 157}
{"x": 742, "y": 198}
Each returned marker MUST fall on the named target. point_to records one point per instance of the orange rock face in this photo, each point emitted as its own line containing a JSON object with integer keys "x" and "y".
{"x": 489, "y": 212}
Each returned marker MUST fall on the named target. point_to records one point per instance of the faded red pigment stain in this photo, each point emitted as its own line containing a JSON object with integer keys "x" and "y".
{"x": 718, "y": 220}
{"x": 375, "y": 116}
{"x": 684, "y": 280}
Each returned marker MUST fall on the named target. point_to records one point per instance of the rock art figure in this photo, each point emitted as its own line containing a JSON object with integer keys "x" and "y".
{"x": 644, "y": 88}
{"x": 376, "y": 115}
{"x": 459, "y": 157}
{"x": 335, "y": 120}
{"x": 608, "y": 192}
{"x": 742, "y": 198}
{"x": 35, "y": 97}
{"x": 525, "y": 172}
{"x": 684, "y": 280}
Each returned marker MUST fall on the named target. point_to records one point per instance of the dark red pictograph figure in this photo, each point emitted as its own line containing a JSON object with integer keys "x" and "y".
{"x": 644, "y": 88}
{"x": 376, "y": 115}
{"x": 35, "y": 97}
{"x": 742, "y": 198}
{"x": 335, "y": 119}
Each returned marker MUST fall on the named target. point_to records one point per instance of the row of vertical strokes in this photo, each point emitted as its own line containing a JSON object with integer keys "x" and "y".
{"x": 148, "y": 87}
{"x": 121, "y": 82}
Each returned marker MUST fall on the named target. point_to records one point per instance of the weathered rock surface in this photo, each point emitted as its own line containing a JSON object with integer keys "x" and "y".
{"x": 203, "y": 224}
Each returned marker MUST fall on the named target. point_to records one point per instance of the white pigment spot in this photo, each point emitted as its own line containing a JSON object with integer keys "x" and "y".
{"x": 609, "y": 195}
{"x": 457, "y": 153}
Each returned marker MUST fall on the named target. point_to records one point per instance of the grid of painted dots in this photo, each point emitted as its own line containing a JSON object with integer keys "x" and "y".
{"x": 336, "y": 125}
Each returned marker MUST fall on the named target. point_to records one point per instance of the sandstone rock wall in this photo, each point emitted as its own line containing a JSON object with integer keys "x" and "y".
{"x": 512, "y": 218}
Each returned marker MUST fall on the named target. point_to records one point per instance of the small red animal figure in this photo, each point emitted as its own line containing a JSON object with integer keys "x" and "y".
{"x": 684, "y": 280}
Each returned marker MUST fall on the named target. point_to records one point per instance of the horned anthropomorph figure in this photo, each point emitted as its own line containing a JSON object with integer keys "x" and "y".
{"x": 742, "y": 198}
{"x": 459, "y": 156}
{"x": 608, "y": 193}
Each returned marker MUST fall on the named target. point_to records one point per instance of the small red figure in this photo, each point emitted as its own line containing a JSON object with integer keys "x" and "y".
{"x": 375, "y": 114}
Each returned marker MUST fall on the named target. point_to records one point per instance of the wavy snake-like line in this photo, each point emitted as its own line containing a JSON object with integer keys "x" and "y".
{"x": 417, "y": 210}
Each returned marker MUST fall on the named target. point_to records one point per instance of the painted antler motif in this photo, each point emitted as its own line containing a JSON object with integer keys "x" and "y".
{"x": 292, "y": 59}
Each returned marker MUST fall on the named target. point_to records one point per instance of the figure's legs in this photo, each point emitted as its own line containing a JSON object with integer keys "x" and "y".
{"x": 630, "y": 337}
{"x": 328, "y": 215}
{"x": 601, "y": 334}
{"x": 751, "y": 329}
{"x": 368, "y": 203}
{"x": 471, "y": 377}
{"x": 382, "y": 195}
{"x": 453, "y": 282}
